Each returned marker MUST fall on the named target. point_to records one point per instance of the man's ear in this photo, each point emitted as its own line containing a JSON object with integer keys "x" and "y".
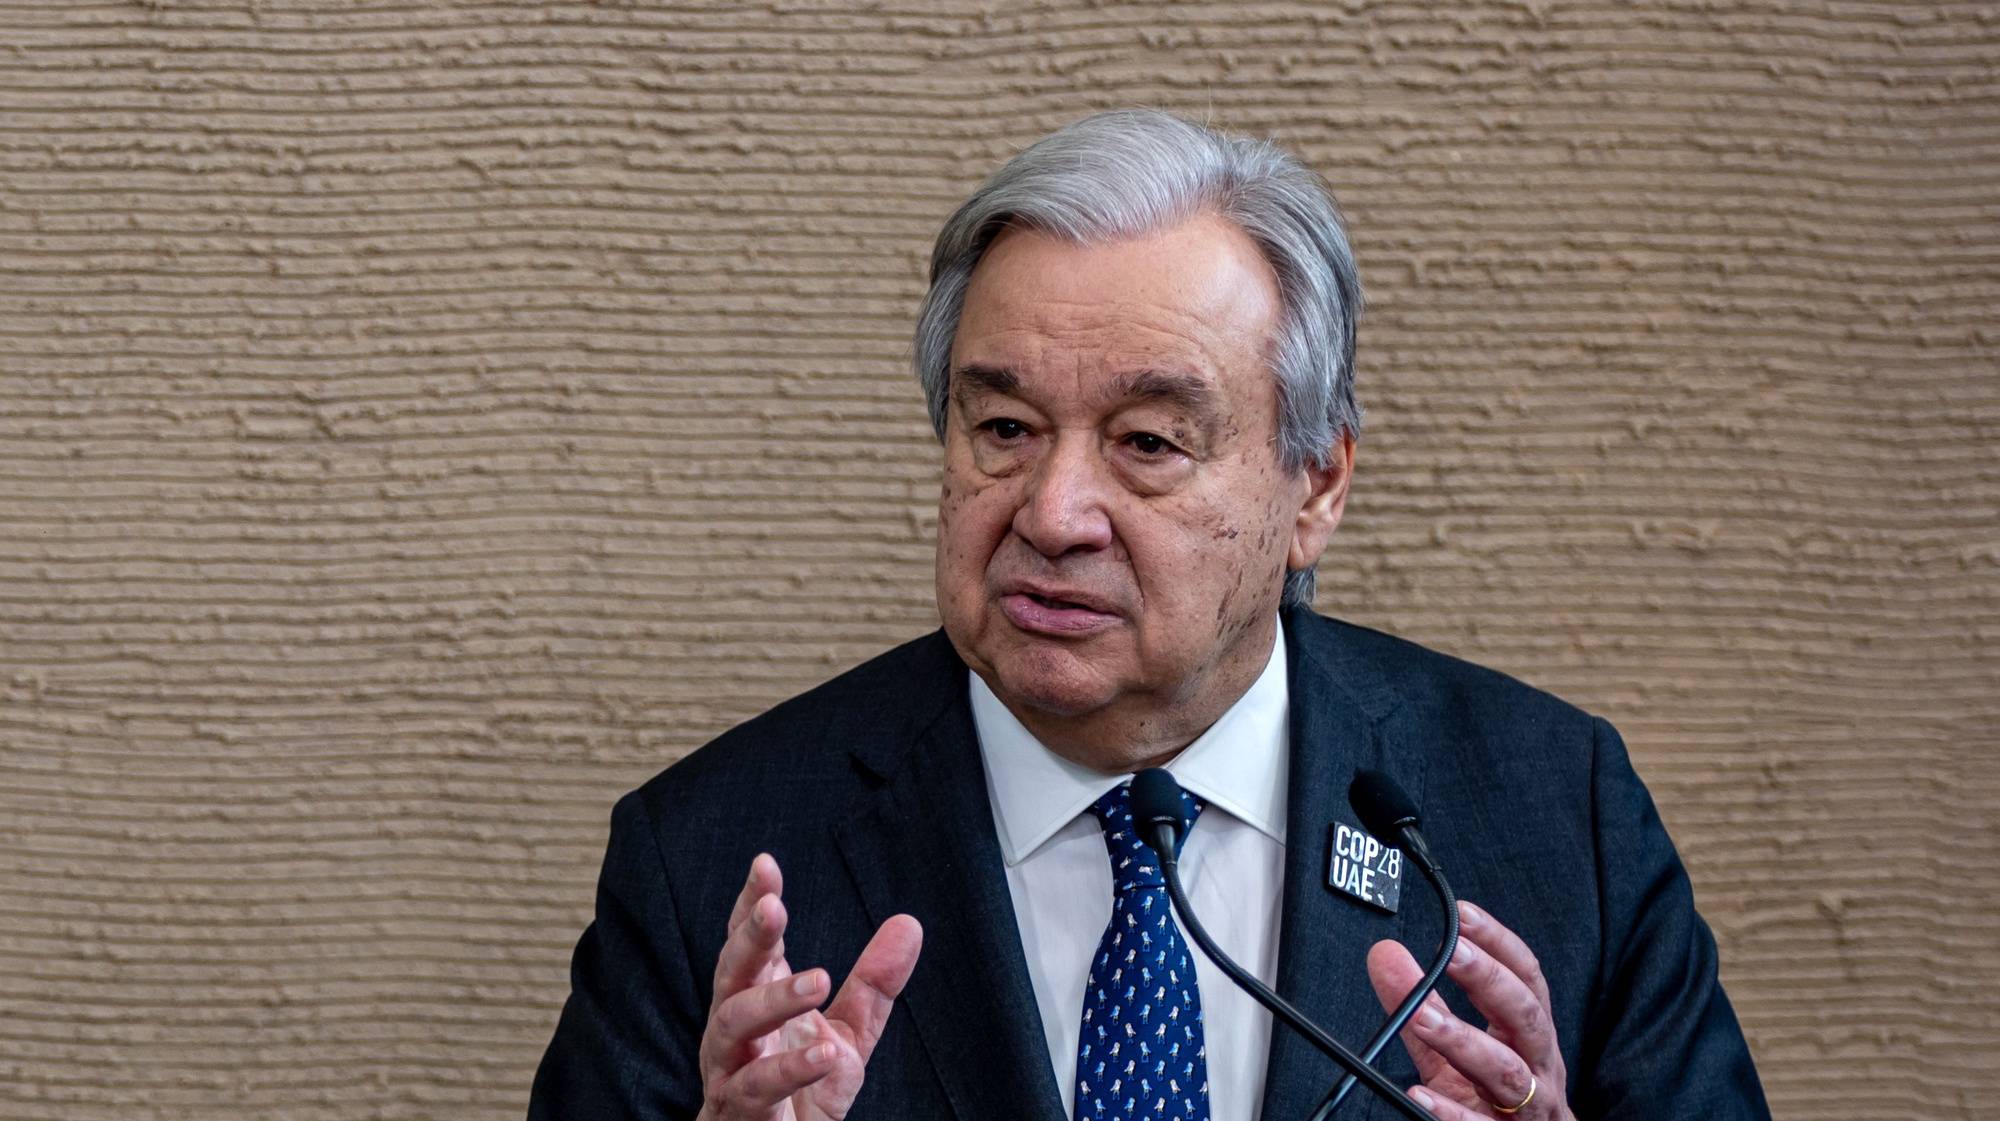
{"x": 1325, "y": 501}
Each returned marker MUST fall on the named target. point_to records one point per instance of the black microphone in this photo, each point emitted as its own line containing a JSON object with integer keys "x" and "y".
{"x": 1156, "y": 811}
{"x": 1387, "y": 812}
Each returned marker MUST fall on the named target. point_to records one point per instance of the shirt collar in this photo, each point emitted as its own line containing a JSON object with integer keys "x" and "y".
{"x": 1240, "y": 765}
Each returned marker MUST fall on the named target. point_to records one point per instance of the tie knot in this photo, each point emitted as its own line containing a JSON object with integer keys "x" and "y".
{"x": 1133, "y": 863}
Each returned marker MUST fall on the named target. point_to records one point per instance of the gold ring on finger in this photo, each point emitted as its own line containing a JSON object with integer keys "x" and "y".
{"x": 1523, "y": 1103}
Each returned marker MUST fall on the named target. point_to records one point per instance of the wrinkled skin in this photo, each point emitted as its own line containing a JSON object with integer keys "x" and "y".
{"x": 1115, "y": 526}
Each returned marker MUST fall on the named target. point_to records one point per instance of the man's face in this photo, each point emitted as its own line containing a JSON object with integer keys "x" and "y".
{"x": 1115, "y": 528}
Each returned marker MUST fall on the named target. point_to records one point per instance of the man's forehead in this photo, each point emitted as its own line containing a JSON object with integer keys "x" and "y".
{"x": 1185, "y": 386}
{"x": 1197, "y": 294}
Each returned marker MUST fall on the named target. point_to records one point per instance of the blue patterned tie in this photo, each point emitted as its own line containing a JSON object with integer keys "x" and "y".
{"x": 1141, "y": 1053}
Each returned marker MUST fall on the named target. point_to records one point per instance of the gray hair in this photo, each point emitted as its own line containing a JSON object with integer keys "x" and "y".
{"x": 1125, "y": 173}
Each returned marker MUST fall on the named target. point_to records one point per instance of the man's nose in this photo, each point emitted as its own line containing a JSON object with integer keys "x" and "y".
{"x": 1065, "y": 504}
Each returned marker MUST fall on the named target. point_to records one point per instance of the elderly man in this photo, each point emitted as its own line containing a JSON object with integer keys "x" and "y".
{"x": 908, "y": 892}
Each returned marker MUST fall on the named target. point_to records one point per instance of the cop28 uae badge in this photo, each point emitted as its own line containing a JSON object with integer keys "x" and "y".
{"x": 1364, "y": 868}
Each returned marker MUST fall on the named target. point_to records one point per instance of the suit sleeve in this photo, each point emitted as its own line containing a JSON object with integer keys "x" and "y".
{"x": 1661, "y": 1040}
{"x": 625, "y": 1047}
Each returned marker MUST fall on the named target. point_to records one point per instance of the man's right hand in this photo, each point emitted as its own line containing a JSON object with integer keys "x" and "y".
{"x": 768, "y": 1052}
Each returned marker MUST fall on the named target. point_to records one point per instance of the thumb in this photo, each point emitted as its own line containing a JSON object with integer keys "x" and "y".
{"x": 878, "y": 977}
{"x": 1395, "y": 974}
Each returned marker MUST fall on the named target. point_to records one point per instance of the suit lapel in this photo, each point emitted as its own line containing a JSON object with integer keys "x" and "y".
{"x": 1344, "y": 716}
{"x": 926, "y": 847}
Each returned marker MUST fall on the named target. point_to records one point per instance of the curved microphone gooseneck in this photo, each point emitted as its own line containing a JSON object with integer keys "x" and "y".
{"x": 1156, "y": 810}
{"x": 1391, "y": 816}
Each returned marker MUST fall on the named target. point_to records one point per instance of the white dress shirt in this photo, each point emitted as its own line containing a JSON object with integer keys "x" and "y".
{"x": 1232, "y": 865}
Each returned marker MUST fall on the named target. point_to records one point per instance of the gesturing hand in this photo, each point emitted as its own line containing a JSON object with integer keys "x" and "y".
{"x": 768, "y": 1053}
{"x": 1511, "y": 1070}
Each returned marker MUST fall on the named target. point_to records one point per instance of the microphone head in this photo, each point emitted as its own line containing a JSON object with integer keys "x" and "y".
{"x": 1385, "y": 810}
{"x": 1156, "y": 802}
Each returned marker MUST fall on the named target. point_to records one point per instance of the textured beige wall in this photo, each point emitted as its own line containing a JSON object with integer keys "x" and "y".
{"x": 421, "y": 422}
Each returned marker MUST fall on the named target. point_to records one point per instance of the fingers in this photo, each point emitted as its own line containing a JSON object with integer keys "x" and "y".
{"x": 1495, "y": 1072}
{"x": 1443, "y": 1108}
{"x": 754, "y": 952}
{"x": 1506, "y": 948}
{"x": 1465, "y": 1068}
{"x": 1517, "y": 1013}
{"x": 765, "y": 1039}
{"x": 765, "y": 879}
{"x": 878, "y": 977}
{"x": 757, "y": 1088}
{"x": 739, "y": 1023}
{"x": 1469, "y": 1072}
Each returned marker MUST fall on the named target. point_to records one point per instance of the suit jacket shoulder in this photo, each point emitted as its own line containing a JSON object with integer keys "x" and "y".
{"x": 1385, "y": 672}
{"x": 804, "y": 751}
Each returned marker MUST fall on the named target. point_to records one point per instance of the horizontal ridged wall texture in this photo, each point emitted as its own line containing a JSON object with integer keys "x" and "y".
{"x": 420, "y": 422}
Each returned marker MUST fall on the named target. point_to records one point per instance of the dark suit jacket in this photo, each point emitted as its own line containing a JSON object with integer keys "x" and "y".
{"x": 870, "y": 793}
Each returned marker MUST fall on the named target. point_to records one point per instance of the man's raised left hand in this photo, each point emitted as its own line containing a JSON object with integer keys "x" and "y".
{"x": 1513, "y": 1070}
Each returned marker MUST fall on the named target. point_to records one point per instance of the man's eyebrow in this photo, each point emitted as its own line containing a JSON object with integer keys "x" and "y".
{"x": 1192, "y": 395}
{"x": 974, "y": 378}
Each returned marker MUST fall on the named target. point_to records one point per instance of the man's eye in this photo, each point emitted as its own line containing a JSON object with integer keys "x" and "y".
{"x": 1148, "y": 445}
{"x": 1005, "y": 429}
